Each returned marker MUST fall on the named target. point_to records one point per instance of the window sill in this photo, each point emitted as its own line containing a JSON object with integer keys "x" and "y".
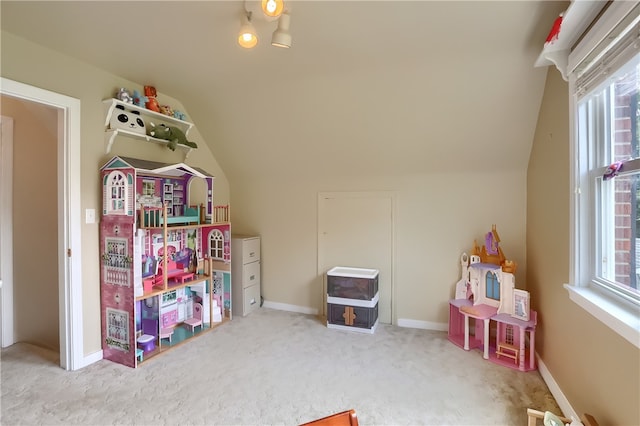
{"x": 621, "y": 317}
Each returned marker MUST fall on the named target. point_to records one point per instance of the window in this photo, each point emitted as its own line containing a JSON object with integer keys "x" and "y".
{"x": 493, "y": 286}
{"x": 605, "y": 102}
{"x": 216, "y": 245}
{"x": 148, "y": 187}
{"x": 508, "y": 337}
{"x": 117, "y": 190}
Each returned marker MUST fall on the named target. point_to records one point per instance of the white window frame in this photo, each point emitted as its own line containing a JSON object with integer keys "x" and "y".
{"x": 618, "y": 313}
{"x": 216, "y": 244}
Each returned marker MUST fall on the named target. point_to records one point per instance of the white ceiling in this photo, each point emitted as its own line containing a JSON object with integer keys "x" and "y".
{"x": 384, "y": 87}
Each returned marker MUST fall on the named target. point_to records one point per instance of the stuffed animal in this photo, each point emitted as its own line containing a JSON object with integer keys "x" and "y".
{"x": 179, "y": 115}
{"x": 152, "y": 102}
{"x": 124, "y": 96}
{"x": 127, "y": 120}
{"x": 166, "y": 110}
{"x": 171, "y": 134}
{"x": 139, "y": 100}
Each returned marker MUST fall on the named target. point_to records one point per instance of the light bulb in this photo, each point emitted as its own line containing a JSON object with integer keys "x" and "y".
{"x": 272, "y": 8}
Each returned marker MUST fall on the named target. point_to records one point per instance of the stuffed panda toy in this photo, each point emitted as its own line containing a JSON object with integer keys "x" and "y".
{"x": 127, "y": 120}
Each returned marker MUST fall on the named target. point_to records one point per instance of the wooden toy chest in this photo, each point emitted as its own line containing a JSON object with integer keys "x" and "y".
{"x": 352, "y": 299}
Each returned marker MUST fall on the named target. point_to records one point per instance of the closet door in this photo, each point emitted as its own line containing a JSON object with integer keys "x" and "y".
{"x": 355, "y": 229}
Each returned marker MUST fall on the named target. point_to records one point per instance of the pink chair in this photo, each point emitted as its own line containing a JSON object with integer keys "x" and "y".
{"x": 196, "y": 319}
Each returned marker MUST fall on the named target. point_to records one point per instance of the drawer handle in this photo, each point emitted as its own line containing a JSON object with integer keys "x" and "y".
{"x": 253, "y": 253}
{"x": 253, "y": 301}
{"x": 252, "y": 277}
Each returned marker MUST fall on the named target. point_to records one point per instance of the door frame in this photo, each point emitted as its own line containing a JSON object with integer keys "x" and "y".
{"x": 320, "y": 255}
{"x": 6, "y": 222}
{"x": 69, "y": 217}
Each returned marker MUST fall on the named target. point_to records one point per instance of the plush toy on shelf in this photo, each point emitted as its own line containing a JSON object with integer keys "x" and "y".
{"x": 179, "y": 115}
{"x": 139, "y": 99}
{"x": 166, "y": 110}
{"x": 152, "y": 102}
{"x": 171, "y": 134}
{"x": 124, "y": 96}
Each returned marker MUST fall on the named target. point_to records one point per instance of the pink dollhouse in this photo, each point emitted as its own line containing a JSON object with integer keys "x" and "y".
{"x": 162, "y": 253}
{"x": 487, "y": 303}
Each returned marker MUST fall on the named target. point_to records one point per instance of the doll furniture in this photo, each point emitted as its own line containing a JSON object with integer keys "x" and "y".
{"x": 146, "y": 261}
{"x": 196, "y": 320}
{"x": 147, "y": 342}
{"x": 165, "y": 333}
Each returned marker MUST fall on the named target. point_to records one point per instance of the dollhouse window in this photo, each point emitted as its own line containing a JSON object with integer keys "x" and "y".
{"x": 493, "y": 286}
{"x": 149, "y": 188}
{"x": 117, "y": 193}
{"x": 508, "y": 334}
{"x": 216, "y": 245}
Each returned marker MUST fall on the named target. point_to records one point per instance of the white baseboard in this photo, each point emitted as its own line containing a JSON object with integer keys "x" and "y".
{"x": 290, "y": 308}
{"x": 561, "y": 399}
{"x": 425, "y": 325}
{"x": 91, "y": 358}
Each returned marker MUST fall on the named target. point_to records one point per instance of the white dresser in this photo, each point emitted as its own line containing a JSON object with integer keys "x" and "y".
{"x": 245, "y": 273}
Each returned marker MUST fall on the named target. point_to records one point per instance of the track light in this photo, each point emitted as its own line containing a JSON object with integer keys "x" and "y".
{"x": 272, "y": 8}
{"x": 247, "y": 37}
{"x": 281, "y": 36}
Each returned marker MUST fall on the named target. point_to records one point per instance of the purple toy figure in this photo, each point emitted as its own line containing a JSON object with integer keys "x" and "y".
{"x": 612, "y": 170}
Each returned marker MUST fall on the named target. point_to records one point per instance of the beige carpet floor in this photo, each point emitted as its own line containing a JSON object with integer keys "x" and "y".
{"x": 275, "y": 368}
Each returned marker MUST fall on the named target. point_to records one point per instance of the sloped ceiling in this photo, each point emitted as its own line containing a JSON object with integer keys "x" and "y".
{"x": 369, "y": 87}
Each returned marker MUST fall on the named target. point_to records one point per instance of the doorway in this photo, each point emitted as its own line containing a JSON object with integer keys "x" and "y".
{"x": 355, "y": 229}
{"x": 69, "y": 278}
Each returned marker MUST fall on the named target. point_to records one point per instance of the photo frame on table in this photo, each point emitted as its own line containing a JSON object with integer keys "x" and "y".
{"x": 521, "y": 305}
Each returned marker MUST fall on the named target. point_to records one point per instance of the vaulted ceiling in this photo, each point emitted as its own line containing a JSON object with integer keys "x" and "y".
{"x": 384, "y": 87}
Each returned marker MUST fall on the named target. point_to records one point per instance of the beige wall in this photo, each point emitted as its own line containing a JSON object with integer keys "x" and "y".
{"x": 35, "y": 222}
{"x": 597, "y": 370}
{"x": 437, "y": 218}
{"x": 28, "y": 63}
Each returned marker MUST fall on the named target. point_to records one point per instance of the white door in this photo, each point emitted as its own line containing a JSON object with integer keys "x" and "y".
{"x": 6, "y": 231}
{"x": 355, "y": 229}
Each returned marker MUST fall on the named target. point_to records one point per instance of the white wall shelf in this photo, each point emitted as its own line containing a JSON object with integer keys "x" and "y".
{"x": 148, "y": 116}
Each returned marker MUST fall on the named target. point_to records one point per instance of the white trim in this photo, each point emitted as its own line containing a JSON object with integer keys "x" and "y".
{"x": 354, "y": 302}
{"x": 290, "y": 308}
{"x": 424, "y": 325}
{"x": 620, "y": 316}
{"x": 69, "y": 217}
{"x": 558, "y": 395}
{"x": 354, "y": 329}
{"x": 6, "y": 222}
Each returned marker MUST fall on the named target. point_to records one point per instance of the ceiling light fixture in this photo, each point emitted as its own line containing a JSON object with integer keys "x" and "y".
{"x": 247, "y": 37}
{"x": 272, "y": 8}
{"x": 281, "y": 36}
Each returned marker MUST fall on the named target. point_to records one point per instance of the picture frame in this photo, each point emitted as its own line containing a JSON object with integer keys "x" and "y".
{"x": 520, "y": 305}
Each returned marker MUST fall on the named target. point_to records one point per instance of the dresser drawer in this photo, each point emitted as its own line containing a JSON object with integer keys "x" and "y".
{"x": 250, "y": 250}
{"x": 250, "y": 299}
{"x": 250, "y": 274}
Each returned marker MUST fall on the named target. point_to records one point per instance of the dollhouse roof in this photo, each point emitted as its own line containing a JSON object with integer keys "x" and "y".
{"x": 155, "y": 167}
